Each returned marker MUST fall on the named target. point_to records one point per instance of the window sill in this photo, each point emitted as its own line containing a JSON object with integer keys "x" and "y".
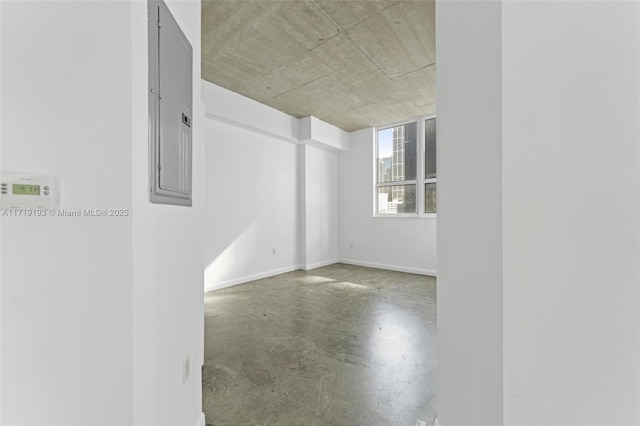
{"x": 429, "y": 216}
{"x": 405, "y": 216}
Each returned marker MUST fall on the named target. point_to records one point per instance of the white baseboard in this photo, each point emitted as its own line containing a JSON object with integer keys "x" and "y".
{"x": 318, "y": 265}
{"x": 201, "y": 420}
{"x": 267, "y": 274}
{"x": 245, "y": 279}
{"x": 389, "y": 267}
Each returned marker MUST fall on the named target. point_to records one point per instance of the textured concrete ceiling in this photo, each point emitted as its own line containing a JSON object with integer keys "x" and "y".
{"x": 353, "y": 63}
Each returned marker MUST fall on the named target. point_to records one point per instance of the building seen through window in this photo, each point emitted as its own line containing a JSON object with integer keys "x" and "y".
{"x": 398, "y": 163}
{"x": 430, "y": 165}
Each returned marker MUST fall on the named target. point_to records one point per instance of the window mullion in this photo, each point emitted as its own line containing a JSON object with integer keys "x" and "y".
{"x": 397, "y": 183}
{"x": 420, "y": 166}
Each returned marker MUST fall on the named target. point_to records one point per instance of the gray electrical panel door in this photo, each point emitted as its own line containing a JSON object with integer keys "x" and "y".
{"x": 170, "y": 108}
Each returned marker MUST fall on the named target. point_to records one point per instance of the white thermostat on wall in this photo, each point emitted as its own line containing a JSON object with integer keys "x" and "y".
{"x": 27, "y": 191}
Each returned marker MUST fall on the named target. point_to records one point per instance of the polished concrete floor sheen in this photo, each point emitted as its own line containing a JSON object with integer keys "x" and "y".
{"x": 338, "y": 345}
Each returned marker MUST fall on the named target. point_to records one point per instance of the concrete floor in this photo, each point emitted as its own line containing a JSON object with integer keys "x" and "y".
{"x": 338, "y": 345}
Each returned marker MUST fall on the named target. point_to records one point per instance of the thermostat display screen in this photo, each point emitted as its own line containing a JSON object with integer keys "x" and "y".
{"x": 19, "y": 189}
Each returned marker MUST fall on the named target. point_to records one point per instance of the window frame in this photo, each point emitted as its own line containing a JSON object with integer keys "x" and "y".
{"x": 423, "y": 214}
{"x": 420, "y": 180}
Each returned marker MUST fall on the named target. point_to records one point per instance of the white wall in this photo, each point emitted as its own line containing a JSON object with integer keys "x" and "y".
{"x": 319, "y": 207}
{"x": 0, "y": 220}
{"x": 307, "y": 205}
{"x": 469, "y": 213}
{"x": 251, "y": 205}
{"x": 538, "y": 290}
{"x": 97, "y": 313}
{"x": 570, "y": 117}
{"x": 168, "y": 256}
{"x": 323, "y": 135}
{"x": 66, "y": 281}
{"x": 266, "y": 189}
{"x": 401, "y": 244}
{"x": 229, "y": 107}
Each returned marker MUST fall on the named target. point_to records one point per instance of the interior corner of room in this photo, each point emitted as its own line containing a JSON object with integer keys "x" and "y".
{"x": 294, "y": 194}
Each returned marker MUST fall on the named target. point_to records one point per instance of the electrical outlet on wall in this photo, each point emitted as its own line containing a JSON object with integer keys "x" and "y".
{"x": 350, "y": 245}
{"x": 186, "y": 369}
{"x": 273, "y": 251}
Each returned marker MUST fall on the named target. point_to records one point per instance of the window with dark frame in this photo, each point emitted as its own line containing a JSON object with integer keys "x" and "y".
{"x": 403, "y": 153}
